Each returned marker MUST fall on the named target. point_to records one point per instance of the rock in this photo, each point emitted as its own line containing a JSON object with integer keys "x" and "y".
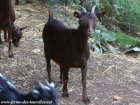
{"x": 117, "y": 98}
{"x": 36, "y": 50}
{"x": 137, "y": 92}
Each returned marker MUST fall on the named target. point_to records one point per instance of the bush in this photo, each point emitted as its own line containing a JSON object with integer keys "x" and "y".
{"x": 125, "y": 14}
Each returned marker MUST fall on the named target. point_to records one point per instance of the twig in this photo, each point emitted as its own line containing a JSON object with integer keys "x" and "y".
{"x": 107, "y": 69}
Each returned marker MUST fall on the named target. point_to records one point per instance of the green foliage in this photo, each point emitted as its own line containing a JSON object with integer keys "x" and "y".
{"x": 124, "y": 40}
{"x": 109, "y": 36}
{"x": 103, "y": 40}
{"x": 131, "y": 14}
{"x": 125, "y": 13}
{"x": 107, "y": 41}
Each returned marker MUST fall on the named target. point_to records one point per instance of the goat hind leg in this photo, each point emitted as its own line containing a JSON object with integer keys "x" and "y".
{"x": 49, "y": 69}
{"x": 5, "y": 36}
{"x": 61, "y": 75}
{"x": 65, "y": 82}
{"x": 48, "y": 66}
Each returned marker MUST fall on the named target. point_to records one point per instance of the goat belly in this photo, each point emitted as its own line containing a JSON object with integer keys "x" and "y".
{"x": 4, "y": 24}
{"x": 71, "y": 63}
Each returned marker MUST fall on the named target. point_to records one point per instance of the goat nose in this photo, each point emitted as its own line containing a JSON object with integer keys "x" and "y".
{"x": 90, "y": 31}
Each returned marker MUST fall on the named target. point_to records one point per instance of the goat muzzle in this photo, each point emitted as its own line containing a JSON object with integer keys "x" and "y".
{"x": 90, "y": 33}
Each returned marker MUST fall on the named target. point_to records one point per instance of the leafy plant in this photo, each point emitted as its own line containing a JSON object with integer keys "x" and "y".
{"x": 107, "y": 41}
{"x": 124, "y": 40}
{"x": 124, "y": 13}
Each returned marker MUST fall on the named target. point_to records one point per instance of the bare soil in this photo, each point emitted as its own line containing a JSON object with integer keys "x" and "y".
{"x": 111, "y": 79}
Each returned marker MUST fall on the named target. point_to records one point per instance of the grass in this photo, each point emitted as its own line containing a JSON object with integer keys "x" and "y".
{"x": 124, "y": 39}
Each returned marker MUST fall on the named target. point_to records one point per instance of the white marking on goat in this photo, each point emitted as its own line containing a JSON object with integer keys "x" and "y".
{"x": 36, "y": 91}
{"x": 52, "y": 85}
{"x": 43, "y": 86}
{"x": 3, "y": 77}
{"x": 9, "y": 83}
{"x": 47, "y": 88}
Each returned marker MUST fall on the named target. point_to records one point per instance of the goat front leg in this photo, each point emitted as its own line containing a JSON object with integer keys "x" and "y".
{"x": 49, "y": 69}
{"x": 84, "y": 79}
{"x": 10, "y": 43}
{"x": 48, "y": 66}
{"x": 61, "y": 75}
{"x": 65, "y": 81}
{"x": 0, "y": 38}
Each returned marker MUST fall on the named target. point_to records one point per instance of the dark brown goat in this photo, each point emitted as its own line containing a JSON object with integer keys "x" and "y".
{"x": 69, "y": 47}
{"x": 16, "y": 35}
{"x": 7, "y": 18}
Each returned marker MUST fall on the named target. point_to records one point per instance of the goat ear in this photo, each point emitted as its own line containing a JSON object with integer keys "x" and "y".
{"x": 49, "y": 84}
{"x": 41, "y": 85}
{"x": 76, "y": 14}
{"x": 35, "y": 93}
{"x": 22, "y": 28}
{"x": 100, "y": 15}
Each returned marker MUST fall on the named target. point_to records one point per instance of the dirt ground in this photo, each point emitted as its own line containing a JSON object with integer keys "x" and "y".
{"x": 111, "y": 79}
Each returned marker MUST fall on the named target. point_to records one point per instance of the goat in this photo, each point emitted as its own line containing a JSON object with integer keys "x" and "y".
{"x": 16, "y": 35}
{"x": 45, "y": 93}
{"x": 69, "y": 47}
{"x": 11, "y": 95}
{"x": 7, "y": 18}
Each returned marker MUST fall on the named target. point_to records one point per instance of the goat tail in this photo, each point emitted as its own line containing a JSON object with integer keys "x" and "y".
{"x": 50, "y": 14}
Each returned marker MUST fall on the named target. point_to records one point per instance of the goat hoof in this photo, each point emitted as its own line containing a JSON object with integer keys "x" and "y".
{"x": 65, "y": 94}
{"x": 86, "y": 101}
{"x": 11, "y": 56}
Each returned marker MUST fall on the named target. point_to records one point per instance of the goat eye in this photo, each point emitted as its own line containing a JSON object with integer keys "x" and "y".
{"x": 82, "y": 22}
